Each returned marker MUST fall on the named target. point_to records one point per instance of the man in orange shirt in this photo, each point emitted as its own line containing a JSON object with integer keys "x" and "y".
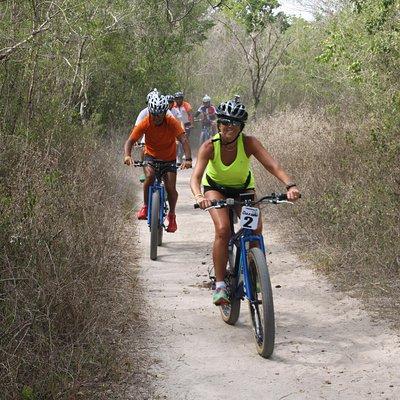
{"x": 161, "y": 132}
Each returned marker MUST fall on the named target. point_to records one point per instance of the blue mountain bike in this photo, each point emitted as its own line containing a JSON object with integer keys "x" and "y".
{"x": 158, "y": 206}
{"x": 247, "y": 275}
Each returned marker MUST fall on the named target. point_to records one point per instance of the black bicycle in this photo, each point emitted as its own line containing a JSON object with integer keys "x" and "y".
{"x": 247, "y": 275}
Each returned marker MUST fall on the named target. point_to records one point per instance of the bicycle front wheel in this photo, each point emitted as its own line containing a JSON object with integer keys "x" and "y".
{"x": 160, "y": 235}
{"x": 154, "y": 223}
{"x": 262, "y": 308}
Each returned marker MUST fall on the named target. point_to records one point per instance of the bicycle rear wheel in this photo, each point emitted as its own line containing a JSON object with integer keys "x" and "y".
{"x": 262, "y": 309}
{"x": 154, "y": 223}
{"x": 230, "y": 312}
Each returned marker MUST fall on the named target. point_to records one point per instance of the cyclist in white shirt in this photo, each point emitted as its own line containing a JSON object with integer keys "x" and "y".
{"x": 186, "y": 117}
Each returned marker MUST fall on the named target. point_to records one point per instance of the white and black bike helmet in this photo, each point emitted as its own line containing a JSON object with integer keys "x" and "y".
{"x": 178, "y": 95}
{"x": 152, "y": 93}
{"x": 233, "y": 111}
{"x": 206, "y": 99}
{"x": 157, "y": 105}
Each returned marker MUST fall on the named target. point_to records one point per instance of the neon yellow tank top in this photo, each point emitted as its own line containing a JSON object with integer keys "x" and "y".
{"x": 233, "y": 175}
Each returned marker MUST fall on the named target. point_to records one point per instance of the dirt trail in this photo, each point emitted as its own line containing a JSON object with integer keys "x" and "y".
{"x": 326, "y": 346}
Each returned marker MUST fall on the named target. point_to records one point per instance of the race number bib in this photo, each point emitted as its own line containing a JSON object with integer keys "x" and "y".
{"x": 249, "y": 217}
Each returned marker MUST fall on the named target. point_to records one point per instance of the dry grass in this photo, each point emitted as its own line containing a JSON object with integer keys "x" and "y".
{"x": 68, "y": 295}
{"x": 349, "y": 214}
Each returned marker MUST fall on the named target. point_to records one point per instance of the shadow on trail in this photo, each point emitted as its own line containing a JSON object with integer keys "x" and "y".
{"x": 319, "y": 340}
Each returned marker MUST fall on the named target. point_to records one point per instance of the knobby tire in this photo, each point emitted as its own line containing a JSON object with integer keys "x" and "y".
{"x": 263, "y": 318}
{"x": 154, "y": 223}
{"x": 160, "y": 235}
{"x": 230, "y": 312}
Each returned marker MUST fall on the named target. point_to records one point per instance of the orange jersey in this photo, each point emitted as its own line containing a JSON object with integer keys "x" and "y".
{"x": 159, "y": 140}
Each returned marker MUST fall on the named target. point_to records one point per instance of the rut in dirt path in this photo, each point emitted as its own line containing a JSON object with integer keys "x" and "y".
{"x": 326, "y": 346}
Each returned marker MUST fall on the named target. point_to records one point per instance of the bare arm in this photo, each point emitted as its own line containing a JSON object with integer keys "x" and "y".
{"x": 188, "y": 153}
{"x": 128, "y": 146}
{"x": 204, "y": 154}
{"x": 254, "y": 147}
{"x": 191, "y": 119}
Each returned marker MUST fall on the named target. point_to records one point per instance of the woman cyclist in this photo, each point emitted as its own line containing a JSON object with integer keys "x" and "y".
{"x": 223, "y": 168}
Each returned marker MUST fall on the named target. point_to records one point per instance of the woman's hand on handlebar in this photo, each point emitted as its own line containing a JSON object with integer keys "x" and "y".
{"x": 203, "y": 202}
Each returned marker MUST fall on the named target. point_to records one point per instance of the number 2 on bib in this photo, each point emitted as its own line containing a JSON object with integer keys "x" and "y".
{"x": 249, "y": 217}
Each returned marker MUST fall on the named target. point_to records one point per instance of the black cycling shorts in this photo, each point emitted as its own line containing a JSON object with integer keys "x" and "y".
{"x": 228, "y": 192}
{"x": 171, "y": 168}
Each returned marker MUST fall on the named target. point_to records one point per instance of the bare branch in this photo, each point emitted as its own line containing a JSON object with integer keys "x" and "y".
{"x": 275, "y": 64}
{"x": 7, "y": 51}
{"x": 214, "y": 6}
{"x": 67, "y": 61}
{"x": 109, "y": 27}
{"x": 77, "y": 68}
{"x": 262, "y": 51}
{"x": 241, "y": 44}
{"x": 170, "y": 16}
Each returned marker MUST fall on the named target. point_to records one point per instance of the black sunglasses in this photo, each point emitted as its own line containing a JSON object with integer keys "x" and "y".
{"x": 229, "y": 122}
{"x": 157, "y": 114}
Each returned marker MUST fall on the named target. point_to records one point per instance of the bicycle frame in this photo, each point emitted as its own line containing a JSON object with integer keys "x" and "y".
{"x": 240, "y": 240}
{"x": 157, "y": 185}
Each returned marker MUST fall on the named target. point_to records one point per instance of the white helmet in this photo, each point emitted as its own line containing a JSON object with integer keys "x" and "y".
{"x": 154, "y": 92}
{"x": 157, "y": 105}
{"x": 206, "y": 99}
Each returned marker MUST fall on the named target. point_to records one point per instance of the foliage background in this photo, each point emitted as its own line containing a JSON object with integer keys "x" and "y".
{"x": 73, "y": 75}
{"x": 330, "y": 114}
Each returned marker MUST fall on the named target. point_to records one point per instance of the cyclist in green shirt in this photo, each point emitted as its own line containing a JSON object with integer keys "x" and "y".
{"x": 223, "y": 168}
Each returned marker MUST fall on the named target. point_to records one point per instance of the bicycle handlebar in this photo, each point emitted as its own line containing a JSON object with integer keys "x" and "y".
{"x": 137, "y": 163}
{"x": 274, "y": 198}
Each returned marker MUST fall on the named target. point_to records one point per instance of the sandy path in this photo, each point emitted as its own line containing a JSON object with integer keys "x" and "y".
{"x": 326, "y": 346}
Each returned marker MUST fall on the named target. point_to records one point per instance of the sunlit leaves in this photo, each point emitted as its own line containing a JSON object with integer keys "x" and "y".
{"x": 254, "y": 15}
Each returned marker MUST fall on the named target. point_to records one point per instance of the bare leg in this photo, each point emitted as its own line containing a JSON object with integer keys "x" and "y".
{"x": 142, "y": 159}
{"x": 170, "y": 187}
{"x": 220, "y": 219}
{"x": 150, "y": 174}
